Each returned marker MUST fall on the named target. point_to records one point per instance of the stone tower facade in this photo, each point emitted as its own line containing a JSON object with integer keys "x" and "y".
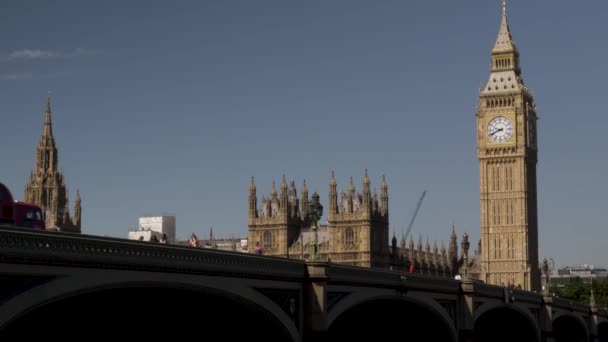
{"x": 356, "y": 232}
{"x": 277, "y": 224}
{"x": 507, "y": 153}
{"x": 46, "y": 186}
{"x": 358, "y": 224}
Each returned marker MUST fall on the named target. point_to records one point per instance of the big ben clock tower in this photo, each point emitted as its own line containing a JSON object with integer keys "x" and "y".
{"x": 507, "y": 153}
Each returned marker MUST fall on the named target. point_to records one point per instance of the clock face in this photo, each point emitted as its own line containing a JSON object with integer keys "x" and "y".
{"x": 500, "y": 129}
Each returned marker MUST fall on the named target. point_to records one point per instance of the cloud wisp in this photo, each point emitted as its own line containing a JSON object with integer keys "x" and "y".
{"x": 19, "y": 76}
{"x": 35, "y": 54}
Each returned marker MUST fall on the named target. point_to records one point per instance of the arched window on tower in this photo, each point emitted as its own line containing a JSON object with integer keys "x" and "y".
{"x": 268, "y": 239}
{"x": 349, "y": 237}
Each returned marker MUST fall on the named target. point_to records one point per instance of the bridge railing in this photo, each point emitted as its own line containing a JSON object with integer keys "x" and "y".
{"x": 19, "y": 245}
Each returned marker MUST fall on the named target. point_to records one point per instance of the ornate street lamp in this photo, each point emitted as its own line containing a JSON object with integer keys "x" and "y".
{"x": 465, "y": 256}
{"x": 546, "y": 272}
{"x": 314, "y": 213}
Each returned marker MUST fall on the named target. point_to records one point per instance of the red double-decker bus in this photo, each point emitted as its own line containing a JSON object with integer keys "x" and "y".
{"x": 19, "y": 213}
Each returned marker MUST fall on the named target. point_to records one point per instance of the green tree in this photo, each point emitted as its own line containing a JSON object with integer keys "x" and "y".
{"x": 579, "y": 290}
{"x": 600, "y": 289}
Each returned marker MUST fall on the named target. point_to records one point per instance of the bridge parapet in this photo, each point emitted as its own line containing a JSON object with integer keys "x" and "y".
{"x": 488, "y": 291}
{"x": 526, "y": 296}
{"x": 379, "y": 278}
{"x": 568, "y": 305}
{"x": 18, "y": 245}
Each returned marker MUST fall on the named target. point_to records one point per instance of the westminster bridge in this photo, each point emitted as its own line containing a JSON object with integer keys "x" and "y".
{"x": 60, "y": 285}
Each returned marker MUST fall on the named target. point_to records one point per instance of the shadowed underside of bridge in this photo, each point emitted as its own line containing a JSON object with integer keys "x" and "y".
{"x": 505, "y": 324}
{"x": 602, "y": 332}
{"x": 569, "y": 329}
{"x": 147, "y": 312}
{"x": 389, "y": 318}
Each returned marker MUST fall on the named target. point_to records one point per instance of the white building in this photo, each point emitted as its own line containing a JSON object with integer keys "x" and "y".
{"x": 154, "y": 226}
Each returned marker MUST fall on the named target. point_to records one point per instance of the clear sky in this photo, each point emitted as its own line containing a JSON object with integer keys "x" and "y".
{"x": 171, "y": 107}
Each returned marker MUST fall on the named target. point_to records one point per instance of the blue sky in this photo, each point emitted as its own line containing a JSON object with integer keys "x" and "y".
{"x": 162, "y": 108}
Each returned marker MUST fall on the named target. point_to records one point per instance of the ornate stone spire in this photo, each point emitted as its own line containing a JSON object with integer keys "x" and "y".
{"x": 48, "y": 125}
{"x": 504, "y": 41}
{"x": 273, "y": 192}
{"x": 333, "y": 197}
{"x": 253, "y": 200}
{"x": 351, "y": 195}
{"x": 303, "y": 200}
{"x": 367, "y": 194}
{"x": 383, "y": 197}
{"x": 283, "y": 205}
{"x": 506, "y": 74}
{"x": 46, "y": 156}
{"x": 453, "y": 246}
{"x": 252, "y": 186}
{"x": 46, "y": 187}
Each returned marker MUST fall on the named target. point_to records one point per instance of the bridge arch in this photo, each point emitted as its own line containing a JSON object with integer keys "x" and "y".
{"x": 146, "y": 307}
{"x": 569, "y": 327}
{"x": 389, "y": 316}
{"x": 495, "y": 322}
{"x": 602, "y": 331}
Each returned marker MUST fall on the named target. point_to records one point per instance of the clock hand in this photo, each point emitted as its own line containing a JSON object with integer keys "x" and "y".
{"x": 496, "y": 131}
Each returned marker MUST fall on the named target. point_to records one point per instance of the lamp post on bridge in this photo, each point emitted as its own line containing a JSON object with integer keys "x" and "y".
{"x": 592, "y": 302}
{"x": 314, "y": 213}
{"x": 465, "y": 256}
{"x": 546, "y": 272}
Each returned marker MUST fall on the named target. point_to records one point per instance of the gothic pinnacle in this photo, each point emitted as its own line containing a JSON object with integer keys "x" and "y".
{"x": 48, "y": 125}
{"x": 252, "y": 185}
